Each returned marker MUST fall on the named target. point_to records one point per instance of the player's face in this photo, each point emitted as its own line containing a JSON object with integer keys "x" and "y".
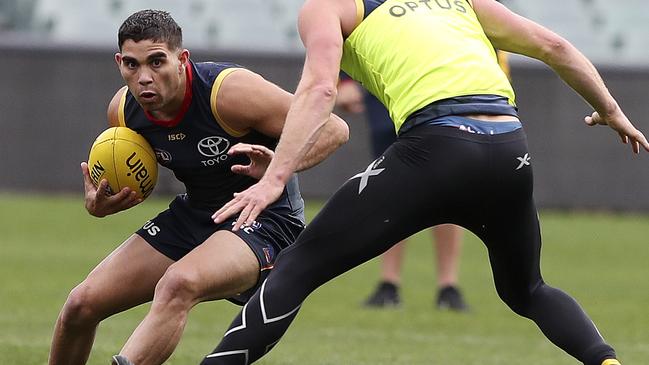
{"x": 153, "y": 73}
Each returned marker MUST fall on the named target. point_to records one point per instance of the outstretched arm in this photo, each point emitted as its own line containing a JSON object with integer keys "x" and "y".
{"x": 248, "y": 101}
{"x": 511, "y": 32}
{"x": 320, "y": 28}
{"x": 333, "y": 134}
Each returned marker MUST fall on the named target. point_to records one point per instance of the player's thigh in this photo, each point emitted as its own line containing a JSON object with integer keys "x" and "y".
{"x": 221, "y": 267}
{"x": 125, "y": 278}
{"x": 364, "y": 218}
{"x": 514, "y": 245}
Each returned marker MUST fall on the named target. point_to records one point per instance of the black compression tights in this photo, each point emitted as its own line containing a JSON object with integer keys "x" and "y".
{"x": 431, "y": 175}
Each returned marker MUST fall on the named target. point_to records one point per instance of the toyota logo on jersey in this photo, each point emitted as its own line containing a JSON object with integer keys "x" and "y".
{"x": 213, "y": 146}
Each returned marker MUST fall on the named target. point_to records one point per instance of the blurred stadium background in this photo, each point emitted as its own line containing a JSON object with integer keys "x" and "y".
{"x": 57, "y": 75}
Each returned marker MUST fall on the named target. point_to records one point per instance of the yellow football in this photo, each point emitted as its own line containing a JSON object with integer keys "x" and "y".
{"x": 125, "y": 159}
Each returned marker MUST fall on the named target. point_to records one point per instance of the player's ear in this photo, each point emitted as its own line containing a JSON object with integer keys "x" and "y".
{"x": 183, "y": 57}
{"x": 118, "y": 59}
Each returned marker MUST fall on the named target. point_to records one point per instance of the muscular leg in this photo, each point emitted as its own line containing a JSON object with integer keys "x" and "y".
{"x": 448, "y": 243}
{"x": 221, "y": 267}
{"x": 379, "y": 216}
{"x": 514, "y": 244}
{"x": 391, "y": 262}
{"x": 507, "y": 222}
{"x": 104, "y": 293}
{"x": 330, "y": 245}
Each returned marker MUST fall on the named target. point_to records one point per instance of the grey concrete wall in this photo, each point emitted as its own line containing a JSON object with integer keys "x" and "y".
{"x": 53, "y": 103}
{"x": 578, "y": 166}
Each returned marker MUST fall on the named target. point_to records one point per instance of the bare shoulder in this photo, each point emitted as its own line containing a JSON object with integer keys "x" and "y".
{"x": 235, "y": 92}
{"x": 511, "y": 32}
{"x": 113, "y": 107}
{"x": 239, "y": 81}
{"x": 246, "y": 100}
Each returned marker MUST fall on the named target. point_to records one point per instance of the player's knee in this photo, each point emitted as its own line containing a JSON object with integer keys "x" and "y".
{"x": 177, "y": 288}
{"x": 80, "y": 308}
{"x": 517, "y": 300}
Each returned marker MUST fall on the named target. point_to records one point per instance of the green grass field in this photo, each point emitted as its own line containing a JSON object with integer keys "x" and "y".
{"x": 48, "y": 244}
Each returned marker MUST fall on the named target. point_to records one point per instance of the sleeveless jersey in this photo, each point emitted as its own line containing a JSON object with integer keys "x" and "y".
{"x": 410, "y": 54}
{"x": 194, "y": 145}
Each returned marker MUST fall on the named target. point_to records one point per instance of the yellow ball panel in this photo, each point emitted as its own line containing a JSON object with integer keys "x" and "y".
{"x": 101, "y": 165}
{"x": 125, "y": 159}
{"x": 135, "y": 167}
{"x": 107, "y": 135}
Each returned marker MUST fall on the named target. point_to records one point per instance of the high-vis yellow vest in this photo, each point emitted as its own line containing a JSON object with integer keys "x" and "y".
{"x": 412, "y": 53}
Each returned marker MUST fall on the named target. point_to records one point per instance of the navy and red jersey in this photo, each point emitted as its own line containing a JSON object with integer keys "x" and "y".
{"x": 194, "y": 144}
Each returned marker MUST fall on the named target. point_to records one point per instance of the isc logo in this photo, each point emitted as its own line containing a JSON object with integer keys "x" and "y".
{"x": 177, "y": 136}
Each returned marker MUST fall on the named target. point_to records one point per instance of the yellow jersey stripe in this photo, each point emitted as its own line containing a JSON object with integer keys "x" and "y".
{"x": 360, "y": 11}
{"x": 121, "y": 119}
{"x": 213, "y": 98}
{"x": 503, "y": 61}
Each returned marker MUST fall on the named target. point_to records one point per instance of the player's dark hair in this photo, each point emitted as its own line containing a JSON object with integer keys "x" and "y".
{"x": 154, "y": 25}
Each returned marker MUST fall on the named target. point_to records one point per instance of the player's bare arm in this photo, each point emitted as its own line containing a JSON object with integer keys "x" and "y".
{"x": 248, "y": 101}
{"x": 97, "y": 201}
{"x": 320, "y": 28}
{"x": 513, "y": 33}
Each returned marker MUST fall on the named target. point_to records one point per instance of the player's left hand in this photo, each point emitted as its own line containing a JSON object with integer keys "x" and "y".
{"x": 250, "y": 202}
{"x": 621, "y": 124}
{"x": 97, "y": 200}
{"x": 260, "y": 157}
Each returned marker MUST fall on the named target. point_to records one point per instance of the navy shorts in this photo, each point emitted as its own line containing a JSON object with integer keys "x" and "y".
{"x": 179, "y": 229}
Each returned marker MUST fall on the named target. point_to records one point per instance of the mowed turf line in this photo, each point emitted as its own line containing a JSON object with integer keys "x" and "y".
{"x": 49, "y": 243}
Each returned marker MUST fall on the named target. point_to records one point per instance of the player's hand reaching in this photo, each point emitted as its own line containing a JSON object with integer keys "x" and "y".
{"x": 260, "y": 157}
{"x": 621, "y": 124}
{"x": 99, "y": 202}
{"x": 250, "y": 203}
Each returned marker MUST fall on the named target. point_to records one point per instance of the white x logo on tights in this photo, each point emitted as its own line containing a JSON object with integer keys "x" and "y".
{"x": 525, "y": 161}
{"x": 365, "y": 176}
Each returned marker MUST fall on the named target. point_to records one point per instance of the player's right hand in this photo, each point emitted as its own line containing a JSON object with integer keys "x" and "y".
{"x": 99, "y": 202}
{"x": 621, "y": 124}
{"x": 249, "y": 203}
{"x": 260, "y": 157}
